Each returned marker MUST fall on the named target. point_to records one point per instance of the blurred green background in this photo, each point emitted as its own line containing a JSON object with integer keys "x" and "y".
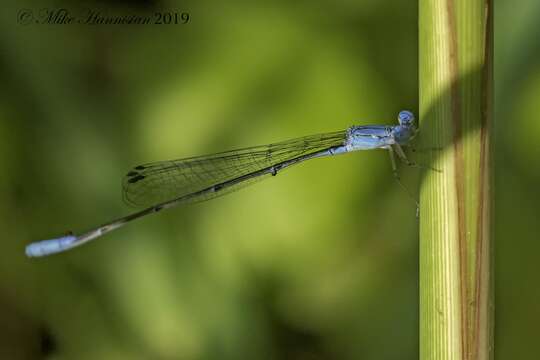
{"x": 319, "y": 263}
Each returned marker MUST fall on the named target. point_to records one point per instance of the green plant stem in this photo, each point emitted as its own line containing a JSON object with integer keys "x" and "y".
{"x": 456, "y": 241}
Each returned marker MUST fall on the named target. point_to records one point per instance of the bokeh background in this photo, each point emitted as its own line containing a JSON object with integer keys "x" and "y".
{"x": 318, "y": 263}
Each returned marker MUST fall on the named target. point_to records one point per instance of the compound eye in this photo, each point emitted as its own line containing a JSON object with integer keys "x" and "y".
{"x": 405, "y": 117}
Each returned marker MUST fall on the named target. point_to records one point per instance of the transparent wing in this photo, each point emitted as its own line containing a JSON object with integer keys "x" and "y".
{"x": 154, "y": 183}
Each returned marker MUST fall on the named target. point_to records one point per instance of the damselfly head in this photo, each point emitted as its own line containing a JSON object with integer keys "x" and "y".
{"x": 406, "y": 118}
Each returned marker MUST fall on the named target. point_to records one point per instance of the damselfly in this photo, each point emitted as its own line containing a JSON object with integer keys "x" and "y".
{"x": 165, "y": 184}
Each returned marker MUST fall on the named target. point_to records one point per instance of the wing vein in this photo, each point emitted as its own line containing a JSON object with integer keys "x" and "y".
{"x": 161, "y": 181}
